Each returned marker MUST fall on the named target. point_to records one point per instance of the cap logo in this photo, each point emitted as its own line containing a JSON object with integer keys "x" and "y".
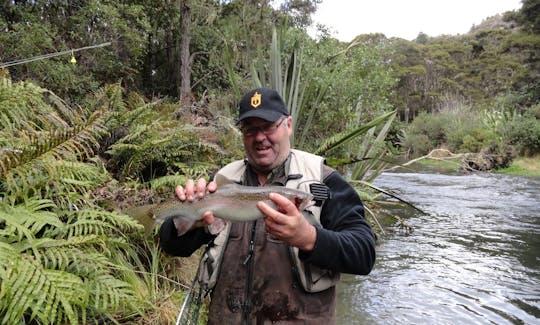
{"x": 256, "y": 100}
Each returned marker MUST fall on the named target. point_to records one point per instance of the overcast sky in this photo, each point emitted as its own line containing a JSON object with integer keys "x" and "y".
{"x": 407, "y": 18}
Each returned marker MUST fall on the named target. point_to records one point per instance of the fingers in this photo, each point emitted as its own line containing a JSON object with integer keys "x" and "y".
{"x": 180, "y": 193}
{"x": 285, "y": 207}
{"x": 287, "y": 223}
{"x": 212, "y": 186}
{"x": 286, "y": 216}
{"x": 194, "y": 190}
{"x": 206, "y": 220}
{"x": 200, "y": 188}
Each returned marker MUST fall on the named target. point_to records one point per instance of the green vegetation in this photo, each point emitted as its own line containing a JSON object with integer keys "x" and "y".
{"x": 79, "y": 142}
{"x": 523, "y": 166}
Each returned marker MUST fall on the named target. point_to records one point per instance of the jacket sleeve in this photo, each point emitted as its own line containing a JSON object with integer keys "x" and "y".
{"x": 346, "y": 242}
{"x": 184, "y": 245}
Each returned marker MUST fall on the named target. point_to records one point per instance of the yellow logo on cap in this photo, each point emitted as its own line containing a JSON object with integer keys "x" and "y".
{"x": 256, "y": 100}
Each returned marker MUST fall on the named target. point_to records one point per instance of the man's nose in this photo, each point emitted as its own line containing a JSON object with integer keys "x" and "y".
{"x": 260, "y": 134}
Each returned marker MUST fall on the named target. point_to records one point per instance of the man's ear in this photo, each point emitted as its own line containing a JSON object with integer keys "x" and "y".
{"x": 289, "y": 125}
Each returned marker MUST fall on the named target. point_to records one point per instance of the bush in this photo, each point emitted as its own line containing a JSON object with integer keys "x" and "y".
{"x": 476, "y": 139}
{"x": 415, "y": 144}
{"x": 426, "y": 132}
{"x": 523, "y": 132}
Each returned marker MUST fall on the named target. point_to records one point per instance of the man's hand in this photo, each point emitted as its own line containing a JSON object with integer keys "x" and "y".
{"x": 193, "y": 191}
{"x": 288, "y": 224}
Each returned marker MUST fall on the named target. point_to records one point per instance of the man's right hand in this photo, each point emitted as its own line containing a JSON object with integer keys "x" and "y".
{"x": 196, "y": 191}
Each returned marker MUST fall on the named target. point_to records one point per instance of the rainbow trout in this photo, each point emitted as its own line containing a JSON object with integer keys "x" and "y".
{"x": 230, "y": 201}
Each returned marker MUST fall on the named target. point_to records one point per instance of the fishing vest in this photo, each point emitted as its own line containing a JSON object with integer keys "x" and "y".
{"x": 311, "y": 277}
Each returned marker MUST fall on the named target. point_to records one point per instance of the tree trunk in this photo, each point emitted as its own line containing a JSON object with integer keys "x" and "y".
{"x": 184, "y": 73}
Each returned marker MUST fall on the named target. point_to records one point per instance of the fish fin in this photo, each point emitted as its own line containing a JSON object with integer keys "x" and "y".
{"x": 222, "y": 180}
{"x": 217, "y": 226}
{"x": 183, "y": 224}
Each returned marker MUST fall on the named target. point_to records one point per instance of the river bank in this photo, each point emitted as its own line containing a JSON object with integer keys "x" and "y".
{"x": 523, "y": 166}
{"x": 520, "y": 166}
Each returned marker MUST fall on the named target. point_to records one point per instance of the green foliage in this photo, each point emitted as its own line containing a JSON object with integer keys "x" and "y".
{"x": 58, "y": 249}
{"x": 426, "y": 132}
{"x": 494, "y": 59}
{"x": 523, "y": 132}
{"x": 529, "y": 15}
{"x": 57, "y": 270}
{"x": 38, "y": 28}
{"x": 457, "y": 130}
{"x": 156, "y": 150}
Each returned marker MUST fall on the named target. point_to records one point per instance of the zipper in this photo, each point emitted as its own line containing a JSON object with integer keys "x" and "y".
{"x": 248, "y": 262}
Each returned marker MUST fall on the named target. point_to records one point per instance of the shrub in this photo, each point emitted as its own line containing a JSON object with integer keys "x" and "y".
{"x": 523, "y": 132}
{"x": 476, "y": 139}
{"x": 426, "y": 132}
{"x": 415, "y": 144}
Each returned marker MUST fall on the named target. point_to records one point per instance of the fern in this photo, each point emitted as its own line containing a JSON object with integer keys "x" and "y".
{"x": 159, "y": 150}
{"x": 57, "y": 248}
{"x": 25, "y": 221}
{"x": 63, "y": 258}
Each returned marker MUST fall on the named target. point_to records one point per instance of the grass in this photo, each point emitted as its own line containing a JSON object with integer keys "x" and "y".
{"x": 523, "y": 166}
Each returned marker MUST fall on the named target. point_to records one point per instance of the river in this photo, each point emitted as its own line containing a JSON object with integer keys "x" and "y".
{"x": 472, "y": 258}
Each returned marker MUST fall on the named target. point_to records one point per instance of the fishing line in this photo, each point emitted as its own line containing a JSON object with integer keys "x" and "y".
{"x": 51, "y": 55}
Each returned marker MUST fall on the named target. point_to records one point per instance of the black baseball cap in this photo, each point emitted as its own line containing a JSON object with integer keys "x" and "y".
{"x": 263, "y": 103}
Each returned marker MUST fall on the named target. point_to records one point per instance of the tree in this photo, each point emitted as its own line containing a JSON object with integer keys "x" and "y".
{"x": 35, "y": 28}
{"x": 530, "y": 15}
{"x": 184, "y": 85}
{"x": 300, "y": 11}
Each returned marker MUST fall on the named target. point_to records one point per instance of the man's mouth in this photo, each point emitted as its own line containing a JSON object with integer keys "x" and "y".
{"x": 262, "y": 148}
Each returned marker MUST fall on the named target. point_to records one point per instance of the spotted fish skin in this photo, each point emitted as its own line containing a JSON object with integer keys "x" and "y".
{"x": 231, "y": 202}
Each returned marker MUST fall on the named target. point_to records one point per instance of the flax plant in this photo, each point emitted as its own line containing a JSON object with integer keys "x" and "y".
{"x": 365, "y": 143}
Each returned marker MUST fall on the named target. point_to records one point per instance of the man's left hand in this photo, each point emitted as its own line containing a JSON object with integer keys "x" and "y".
{"x": 287, "y": 223}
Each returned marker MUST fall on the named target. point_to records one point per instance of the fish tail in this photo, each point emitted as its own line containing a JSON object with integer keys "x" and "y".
{"x": 143, "y": 216}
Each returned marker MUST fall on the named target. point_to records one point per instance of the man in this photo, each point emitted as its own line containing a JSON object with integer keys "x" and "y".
{"x": 281, "y": 269}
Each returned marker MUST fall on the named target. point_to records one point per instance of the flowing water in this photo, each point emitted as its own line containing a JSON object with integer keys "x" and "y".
{"x": 473, "y": 258}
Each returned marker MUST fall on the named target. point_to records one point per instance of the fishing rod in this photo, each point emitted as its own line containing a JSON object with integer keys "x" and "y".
{"x": 51, "y": 55}
{"x": 187, "y": 300}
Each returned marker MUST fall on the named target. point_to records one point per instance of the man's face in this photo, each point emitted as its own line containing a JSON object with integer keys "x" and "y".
{"x": 266, "y": 143}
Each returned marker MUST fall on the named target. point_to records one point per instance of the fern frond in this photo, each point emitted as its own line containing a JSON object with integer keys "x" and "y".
{"x": 72, "y": 144}
{"x": 27, "y": 286}
{"x": 109, "y": 293}
{"x": 63, "y": 181}
{"x": 27, "y": 220}
{"x": 168, "y": 181}
{"x": 91, "y": 221}
{"x": 18, "y": 104}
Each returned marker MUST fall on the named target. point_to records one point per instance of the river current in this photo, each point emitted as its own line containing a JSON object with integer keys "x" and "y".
{"x": 472, "y": 258}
